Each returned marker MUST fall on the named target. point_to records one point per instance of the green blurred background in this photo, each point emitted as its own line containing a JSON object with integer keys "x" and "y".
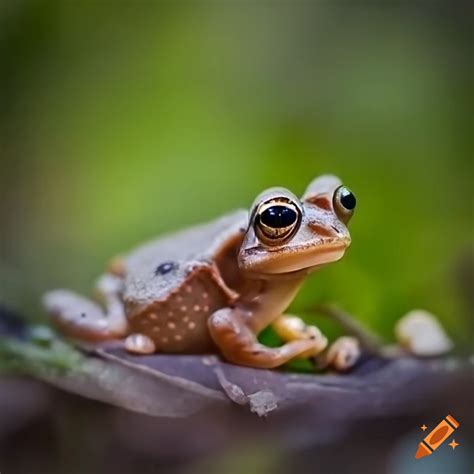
{"x": 121, "y": 121}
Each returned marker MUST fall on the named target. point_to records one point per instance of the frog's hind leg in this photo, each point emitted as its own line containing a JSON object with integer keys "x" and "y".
{"x": 239, "y": 344}
{"x": 81, "y": 318}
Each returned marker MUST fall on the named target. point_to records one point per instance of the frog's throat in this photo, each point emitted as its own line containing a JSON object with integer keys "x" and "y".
{"x": 275, "y": 296}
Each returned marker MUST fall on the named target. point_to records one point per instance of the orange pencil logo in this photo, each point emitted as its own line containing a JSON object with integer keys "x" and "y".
{"x": 437, "y": 437}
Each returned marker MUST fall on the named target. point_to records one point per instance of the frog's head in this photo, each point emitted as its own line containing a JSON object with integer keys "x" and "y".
{"x": 286, "y": 234}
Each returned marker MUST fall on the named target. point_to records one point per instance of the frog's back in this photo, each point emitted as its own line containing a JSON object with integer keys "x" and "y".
{"x": 174, "y": 283}
{"x": 197, "y": 243}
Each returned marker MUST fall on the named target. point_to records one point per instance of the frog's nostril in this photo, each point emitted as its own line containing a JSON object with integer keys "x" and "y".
{"x": 335, "y": 229}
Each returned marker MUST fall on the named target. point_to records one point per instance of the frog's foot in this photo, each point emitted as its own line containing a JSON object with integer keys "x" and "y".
{"x": 240, "y": 345}
{"x": 81, "y": 318}
{"x": 343, "y": 353}
{"x": 139, "y": 344}
{"x": 292, "y": 328}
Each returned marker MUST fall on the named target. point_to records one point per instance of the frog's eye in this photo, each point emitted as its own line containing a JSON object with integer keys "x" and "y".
{"x": 277, "y": 220}
{"x": 344, "y": 203}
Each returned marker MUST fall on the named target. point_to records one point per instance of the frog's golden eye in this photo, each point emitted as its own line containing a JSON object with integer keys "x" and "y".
{"x": 277, "y": 220}
{"x": 344, "y": 203}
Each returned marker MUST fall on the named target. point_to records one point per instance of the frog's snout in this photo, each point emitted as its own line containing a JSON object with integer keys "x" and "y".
{"x": 332, "y": 234}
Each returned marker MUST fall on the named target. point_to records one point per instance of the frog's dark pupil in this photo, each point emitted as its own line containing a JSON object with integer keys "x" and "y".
{"x": 278, "y": 217}
{"x": 164, "y": 268}
{"x": 348, "y": 200}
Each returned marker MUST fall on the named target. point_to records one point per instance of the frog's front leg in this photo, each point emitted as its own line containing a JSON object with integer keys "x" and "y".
{"x": 81, "y": 318}
{"x": 238, "y": 342}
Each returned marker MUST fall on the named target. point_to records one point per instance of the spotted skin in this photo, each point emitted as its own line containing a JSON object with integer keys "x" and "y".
{"x": 179, "y": 322}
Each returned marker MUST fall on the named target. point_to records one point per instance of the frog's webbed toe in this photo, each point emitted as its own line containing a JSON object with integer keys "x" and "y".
{"x": 80, "y": 317}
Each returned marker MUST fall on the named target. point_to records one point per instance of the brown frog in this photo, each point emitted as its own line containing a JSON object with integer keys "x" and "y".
{"x": 218, "y": 285}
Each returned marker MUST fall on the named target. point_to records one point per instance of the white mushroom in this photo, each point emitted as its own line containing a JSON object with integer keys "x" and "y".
{"x": 420, "y": 333}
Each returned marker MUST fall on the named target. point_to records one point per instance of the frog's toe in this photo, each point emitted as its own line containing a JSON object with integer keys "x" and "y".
{"x": 139, "y": 344}
{"x": 293, "y": 328}
{"x": 70, "y": 305}
{"x": 343, "y": 353}
{"x": 77, "y": 316}
{"x": 319, "y": 341}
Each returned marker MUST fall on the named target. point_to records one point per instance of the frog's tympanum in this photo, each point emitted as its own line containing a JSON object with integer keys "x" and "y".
{"x": 216, "y": 286}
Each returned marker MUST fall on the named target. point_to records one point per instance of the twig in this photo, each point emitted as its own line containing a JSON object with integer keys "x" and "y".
{"x": 183, "y": 385}
{"x": 368, "y": 340}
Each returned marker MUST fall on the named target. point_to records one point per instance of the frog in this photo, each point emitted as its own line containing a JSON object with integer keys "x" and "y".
{"x": 214, "y": 287}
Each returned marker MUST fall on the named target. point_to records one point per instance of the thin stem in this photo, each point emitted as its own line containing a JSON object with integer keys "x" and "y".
{"x": 368, "y": 340}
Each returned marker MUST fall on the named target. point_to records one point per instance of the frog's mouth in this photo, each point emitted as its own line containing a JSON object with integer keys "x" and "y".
{"x": 259, "y": 260}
